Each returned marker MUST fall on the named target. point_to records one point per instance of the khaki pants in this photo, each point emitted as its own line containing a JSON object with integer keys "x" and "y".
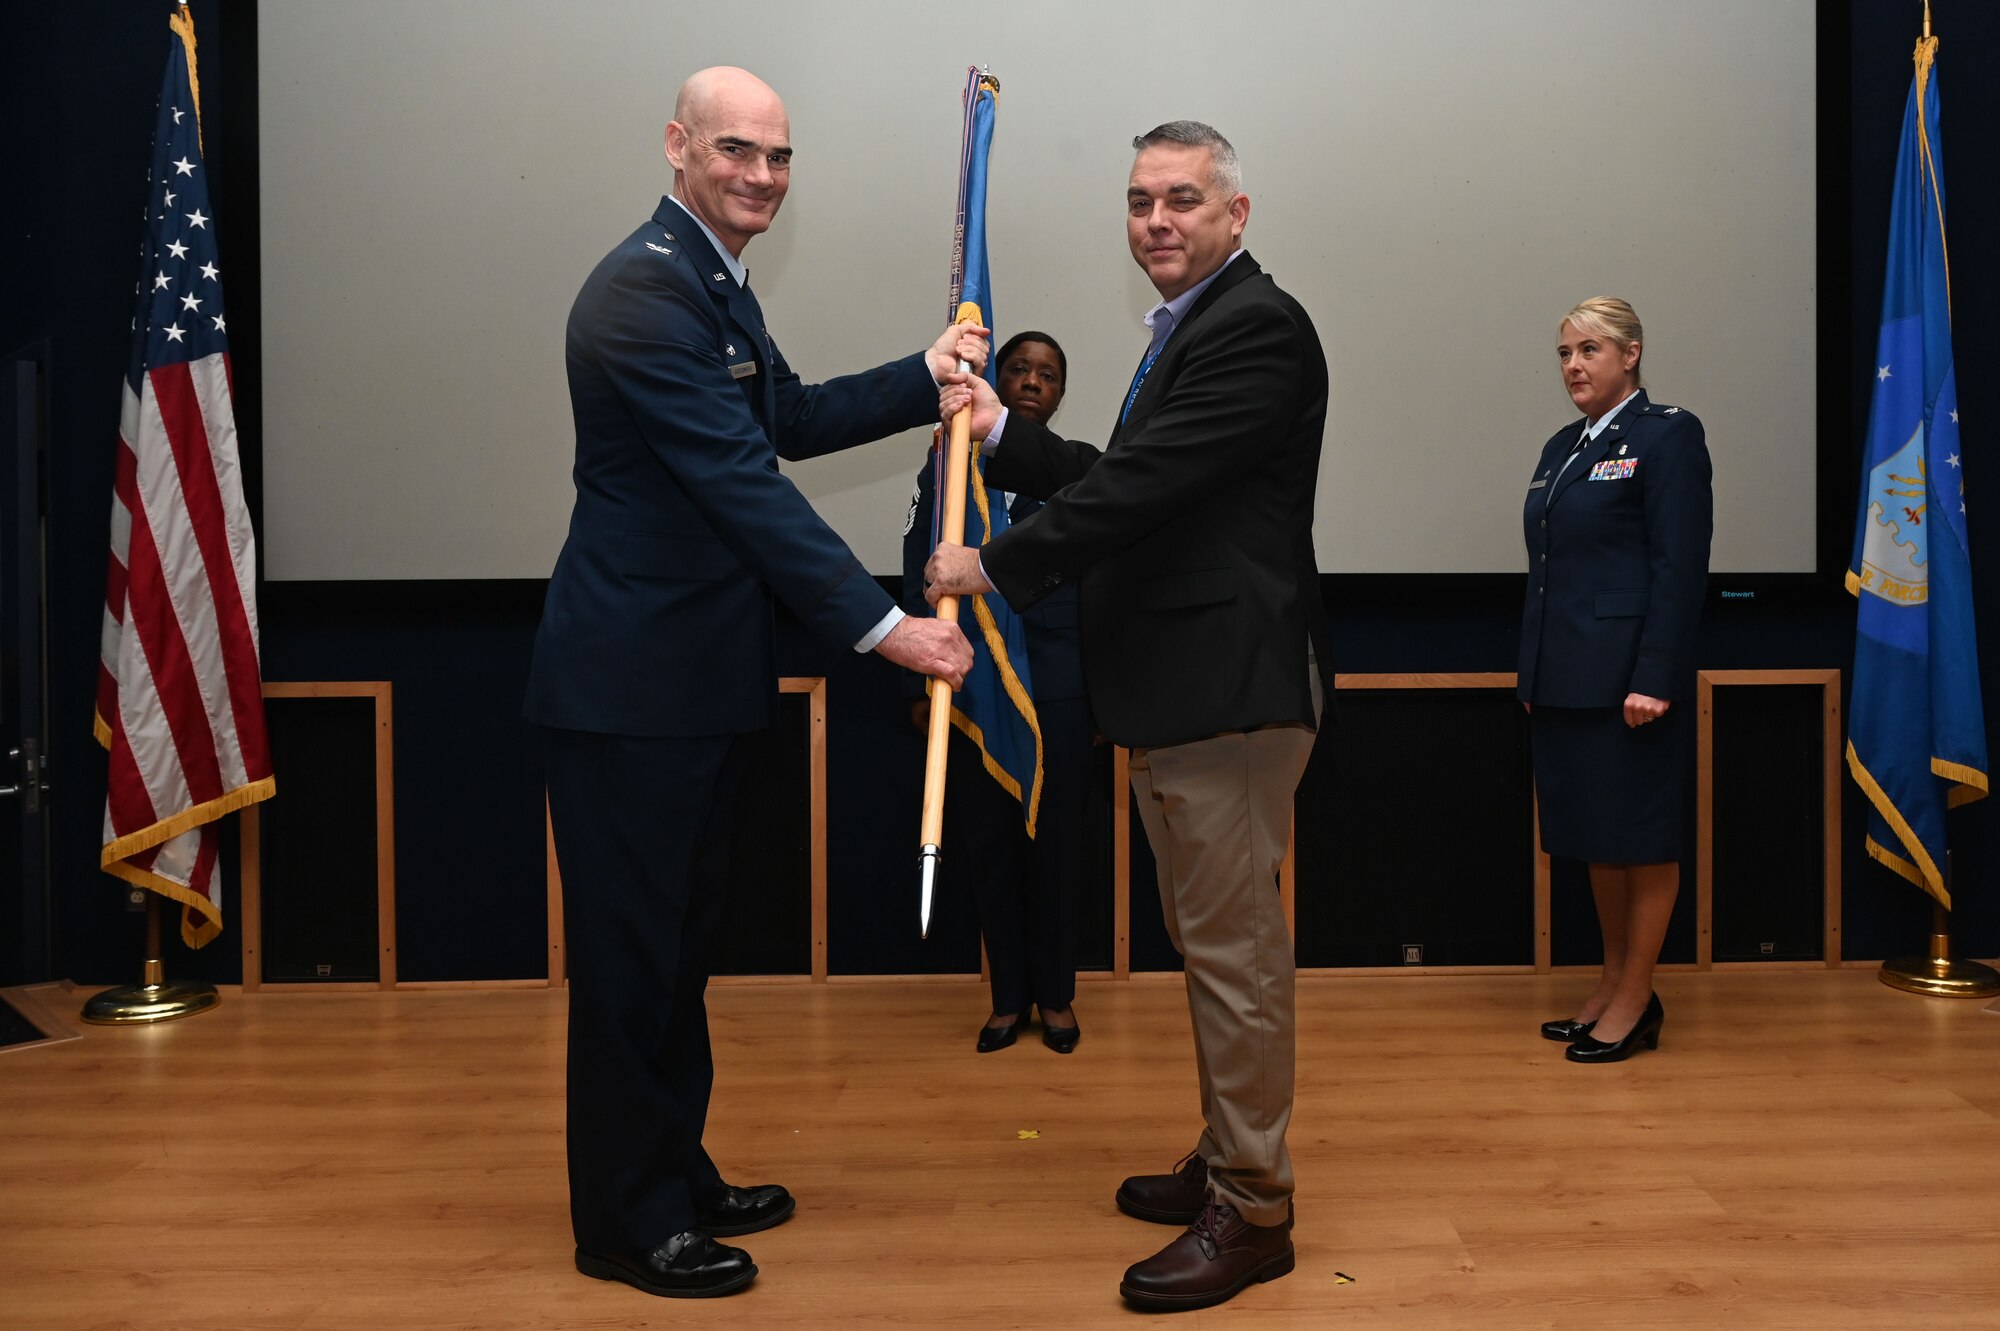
{"x": 1218, "y": 814}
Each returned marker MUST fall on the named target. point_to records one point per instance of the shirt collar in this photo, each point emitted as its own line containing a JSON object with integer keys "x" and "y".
{"x": 1164, "y": 317}
{"x": 729, "y": 261}
{"x": 1594, "y": 430}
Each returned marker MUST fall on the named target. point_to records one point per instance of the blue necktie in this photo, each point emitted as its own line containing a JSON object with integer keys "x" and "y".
{"x": 1139, "y": 379}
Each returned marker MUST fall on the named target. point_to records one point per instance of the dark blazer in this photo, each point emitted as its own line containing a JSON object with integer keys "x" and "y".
{"x": 1191, "y": 531}
{"x": 1617, "y": 560}
{"x": 659, "y": 614}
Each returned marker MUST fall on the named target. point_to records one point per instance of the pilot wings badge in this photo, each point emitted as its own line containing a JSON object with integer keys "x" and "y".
{"x": 1894, "y": 558}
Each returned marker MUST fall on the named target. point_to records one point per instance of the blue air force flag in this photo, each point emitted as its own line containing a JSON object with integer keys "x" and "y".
{"x": 1916, "y": 729}
{"x": 996, "y": 708}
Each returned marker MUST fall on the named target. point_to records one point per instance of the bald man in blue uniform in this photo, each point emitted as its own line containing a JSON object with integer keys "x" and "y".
{"x": 655, "y": 657}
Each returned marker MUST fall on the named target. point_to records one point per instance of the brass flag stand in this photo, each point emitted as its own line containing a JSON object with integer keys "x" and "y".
{"x": 153, "y": 998}
{"x": 1938, "y": 974}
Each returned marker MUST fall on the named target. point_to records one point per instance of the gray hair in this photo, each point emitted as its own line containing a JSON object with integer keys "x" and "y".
{"x": 1224, "y": 173}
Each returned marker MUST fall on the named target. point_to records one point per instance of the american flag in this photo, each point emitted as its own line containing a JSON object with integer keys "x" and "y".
{"x": 179, "y": 701}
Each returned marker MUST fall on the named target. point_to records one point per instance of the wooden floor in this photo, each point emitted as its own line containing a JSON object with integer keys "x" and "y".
{"x": 1807, "y": 1150}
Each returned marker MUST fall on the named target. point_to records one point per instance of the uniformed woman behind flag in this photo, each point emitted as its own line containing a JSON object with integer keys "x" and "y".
{"x": 1618, "y": 519}
{"x": 1026, "y": 889}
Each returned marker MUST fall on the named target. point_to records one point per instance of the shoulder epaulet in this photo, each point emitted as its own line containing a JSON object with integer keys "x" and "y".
{"x": 661, "y": 253}
{"x": 666, "y": 244}
{"x": 1659, "y": 409}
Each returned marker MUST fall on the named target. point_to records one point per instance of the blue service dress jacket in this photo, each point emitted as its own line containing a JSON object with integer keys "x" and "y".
{"x": 658, "y": 619}
{"x": 1617, "y": 560}
{"x": 1055, "y": 655}
{"x": 1191, "y": 531}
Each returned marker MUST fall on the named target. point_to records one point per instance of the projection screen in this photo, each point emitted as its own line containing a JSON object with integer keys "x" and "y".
{"x": 1436, "y": 181}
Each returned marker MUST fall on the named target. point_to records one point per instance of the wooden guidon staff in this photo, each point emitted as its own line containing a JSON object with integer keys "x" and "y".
{"x": 951, "y": 527}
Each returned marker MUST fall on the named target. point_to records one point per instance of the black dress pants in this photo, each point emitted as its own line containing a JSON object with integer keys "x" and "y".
{"x": 642, "y": 829}
{"x": 1027, "y": 890}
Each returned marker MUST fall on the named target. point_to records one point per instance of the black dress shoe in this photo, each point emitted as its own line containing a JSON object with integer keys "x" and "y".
{"x": 734, "y": 1211}
{"x": 992, "y": 1038}
{"x": 1167, "y": 1199}
{"x": 1062, "y": 1039}
{"x": 686, "y": 1266}
{"x": 1565, "y": 1031}
{"x": 1646, "y": 1031}
{"x": 1220, "y": 1254}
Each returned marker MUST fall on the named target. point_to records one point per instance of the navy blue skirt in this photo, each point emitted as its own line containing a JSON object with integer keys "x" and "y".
{"x": 1610, "y": 793}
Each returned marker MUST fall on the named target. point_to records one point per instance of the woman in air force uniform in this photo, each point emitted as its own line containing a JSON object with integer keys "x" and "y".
{"x": 1026, "y": 889}
{"x": 1618, "y": 519}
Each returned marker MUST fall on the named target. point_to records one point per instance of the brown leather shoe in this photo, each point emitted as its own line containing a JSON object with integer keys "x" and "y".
{"x": 1216, "y": 1258}
{"x": 1167, "y": 1199}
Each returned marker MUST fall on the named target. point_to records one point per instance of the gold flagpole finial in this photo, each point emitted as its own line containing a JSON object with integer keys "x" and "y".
{"x": 182, "y": 23}
{"x": 1927, "y": 20}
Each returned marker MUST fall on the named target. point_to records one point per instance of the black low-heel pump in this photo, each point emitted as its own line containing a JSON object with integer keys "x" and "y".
{"x": 1062, "y": 1039}
{"x": 1566, "y": 1031}
{"x": 1646, "y": 1031}
{"x": 992, "y": 1039}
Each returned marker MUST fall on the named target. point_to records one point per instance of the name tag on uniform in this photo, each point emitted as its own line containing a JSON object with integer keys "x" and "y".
{"x": 743, "y": 371}
{"x": 1536, "y": 485}
{"x": 1614, "y": 469}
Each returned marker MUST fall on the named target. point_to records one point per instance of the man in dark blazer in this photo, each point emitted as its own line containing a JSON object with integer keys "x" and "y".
{"x": 655, "y": 656}
{"x": 1203, "y": 642}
